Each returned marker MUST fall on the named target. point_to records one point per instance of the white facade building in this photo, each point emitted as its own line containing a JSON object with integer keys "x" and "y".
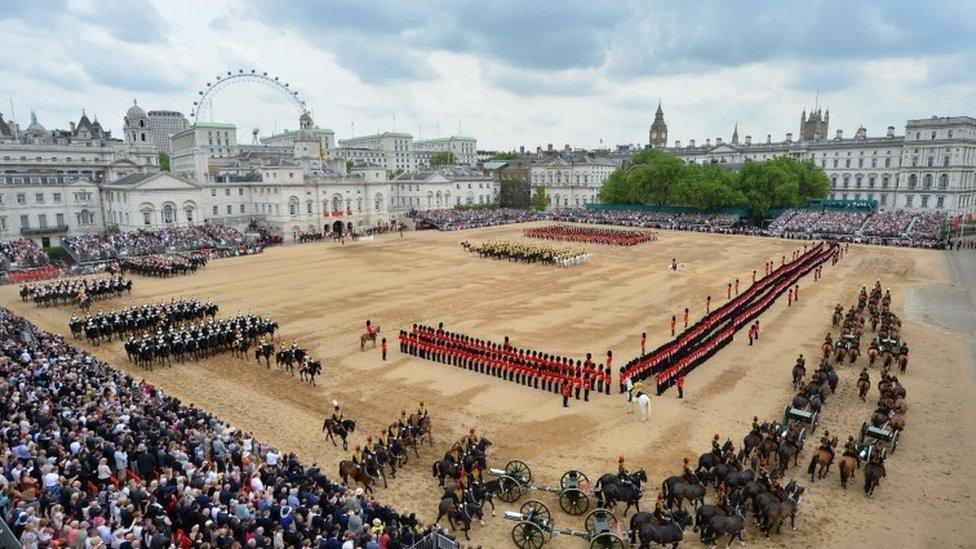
{"x": 46, "y": 207}
{"x": 441, "y": 190}
{"x": 397, "y": 150}
{"x": 931, "y": 167}
{"x": 465, "y": 149}
{"x": 570, "y": 181}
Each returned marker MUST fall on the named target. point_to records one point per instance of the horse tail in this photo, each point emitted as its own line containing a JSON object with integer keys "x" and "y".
{"x": 664, "y": 488}
{"x": 813, "y": 463}
{"x": 434, "y": 470}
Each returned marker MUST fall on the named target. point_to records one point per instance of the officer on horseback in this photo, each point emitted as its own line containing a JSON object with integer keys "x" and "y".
{"x": 850, "y": 450}
{"x": 825, "y": 445}
{"x": 622, "y": 474}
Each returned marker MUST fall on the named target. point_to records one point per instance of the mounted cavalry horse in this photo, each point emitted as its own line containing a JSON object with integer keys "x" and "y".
{"x": 342, "y": 429}
{"x": 611, "y": 489}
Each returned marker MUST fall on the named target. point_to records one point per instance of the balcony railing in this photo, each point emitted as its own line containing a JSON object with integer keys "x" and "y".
{"x": 43, "y": 230}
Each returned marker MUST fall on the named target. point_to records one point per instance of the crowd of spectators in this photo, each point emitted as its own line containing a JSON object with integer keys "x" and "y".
{"x": 97, "y": 247}
{"x": 888, "y": 228}
{"x": 93, "y": 458}
{"x": 452, "y": 220}
{"x": 21, "y": 253}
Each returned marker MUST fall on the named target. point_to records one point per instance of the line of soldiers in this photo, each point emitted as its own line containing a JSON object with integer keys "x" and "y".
{"x": 196, "y": 340}
{"x": 139, "y": 318}
{"x": 163, "y": 265}
{"x": 529, "y": 253}
{"x": 76, "y": 290}
{"x": 591, "y": 235}
{"x": 531, "y": 368}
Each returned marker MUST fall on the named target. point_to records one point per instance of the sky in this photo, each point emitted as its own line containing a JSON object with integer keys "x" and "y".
{"x": 508, "y": 72}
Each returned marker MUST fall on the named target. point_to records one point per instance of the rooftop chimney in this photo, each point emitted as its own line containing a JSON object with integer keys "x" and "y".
{"x": 840, "y": 134}
{"x": 718, "y": 140}
{"x": 522, "y": 149}
{"x": 538, "y": 150}
{"x": 677, "y": 143}
{"x": 708, "y": 141}
{"x": 567, "y": 147}
{"x": 769, "y": 138}
{"x": 691, "y": 142}
{"x": 891, "y": 131}
{"x": 748, "y": 140}
{"x": 550, "y": 147}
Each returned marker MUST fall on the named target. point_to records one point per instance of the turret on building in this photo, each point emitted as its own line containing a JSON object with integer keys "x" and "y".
{"x": 658, "y": 136}
{"x": 814, "y": 127}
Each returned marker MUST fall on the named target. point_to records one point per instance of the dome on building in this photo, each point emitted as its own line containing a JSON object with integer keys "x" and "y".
{"x": 135, "y": 112}
{"x": 35, "y": 127}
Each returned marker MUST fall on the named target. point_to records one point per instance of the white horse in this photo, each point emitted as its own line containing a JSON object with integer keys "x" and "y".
{"x": 675, "y": 269}
{"x": 643, "y": 403}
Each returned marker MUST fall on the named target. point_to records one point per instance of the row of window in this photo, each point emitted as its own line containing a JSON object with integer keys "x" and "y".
{"x": 84, "y": 218}
{"x": 860, "y": 162}
{"x": 40, "y": 198}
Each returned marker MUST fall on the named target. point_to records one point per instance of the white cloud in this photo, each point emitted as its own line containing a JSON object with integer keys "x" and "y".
{"x": 508, "y": 72}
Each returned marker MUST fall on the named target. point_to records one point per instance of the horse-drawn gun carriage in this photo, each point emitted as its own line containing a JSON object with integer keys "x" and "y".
{"x": 534, "y": 527}
{"x": 877, "y": 439}
{"x": 803, "y": 419}
{"x": 516, "y": 480}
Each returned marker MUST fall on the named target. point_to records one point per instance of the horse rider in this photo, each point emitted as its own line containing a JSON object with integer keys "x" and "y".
{"x": 370, "y": 332}
{"x": 801, "y": 362}
{"x": 723, "y": 499}
{"x": 878, "y": 459}
{"x": 777, "y": 491}
{"x": 733, "y": 460}
{"x": 716, "y": 448}
{"x": 476, "y": 473}
{"x": 357, "y": 456}
{"x": 864, "y": 375}
{"x": 471, "y": 440}
{"x": 686, "y": 473}
{"x": 337, "y": 416}
{"x": 422, "y": 410}
{"x": 403, "y": 422}
{"x": 825, "y": 445}
{"x": 661, "y": 511}
{"x": 637, "y": 390}
{"x": 764, "y": 479}
{"x": 850, "y": 449}
{"x": 380, "y": 441}
{"x": 459, "y": 491}
{"x": 622, "y": 474}
{"x": 369, "y": 449}
{"x": 756, "y": 428}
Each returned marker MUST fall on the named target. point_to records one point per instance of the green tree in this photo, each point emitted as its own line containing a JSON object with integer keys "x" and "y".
{"x": 539, "y": 199}
{"x": 617, "y": 189}
{"x": 767, "y": 185}
{"x": 709, "y": 187}
{"x": 814, "y": 183}
{"x": 505, "y": 156}
{"x": 445, "y": 158}
{"x": 164, "y": 162}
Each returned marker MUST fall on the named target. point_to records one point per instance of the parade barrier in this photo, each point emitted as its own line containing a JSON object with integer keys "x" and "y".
{"x": 715, "y": 330}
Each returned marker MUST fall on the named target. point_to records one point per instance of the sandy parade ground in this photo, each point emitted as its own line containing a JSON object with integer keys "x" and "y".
{"x": 322, "y": 293}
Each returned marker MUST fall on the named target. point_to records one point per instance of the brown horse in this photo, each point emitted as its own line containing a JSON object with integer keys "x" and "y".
{"x": 348, "y": 469}
{"x": 821, "y": 459}
{"x": 854, "y": 354}
{"x": 840, "y": 354}
{"x": 847, "y": 465}
{"x": 901, "y": 405}
{"x": 368, "y": 337}
{"x": 827, "y": 347}
{"x": 902, "y": 361}
{"x": 897, "y": 421}
{"x": 872, "y": 356}
{"x": 863, "y": 386}
{"x": 836, "y": 319}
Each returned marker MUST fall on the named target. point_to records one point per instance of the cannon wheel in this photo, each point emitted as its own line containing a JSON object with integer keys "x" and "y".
{"x": 527, "y": 535}
{"x": 894, "y": 441}
{"x": 595, "y": 515}
{"x": 534, "y": 506}
{"x": 564, "y": 482}
{"x": 573, "y": 502}
{"x": 814, "y": 421}
{"x": 864, "y": 430}
{"x": 607, "y": 540}
{"x": 786, "y": 415}
{"x": 510, "y": 489}
{"x": 519, "y": 471}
